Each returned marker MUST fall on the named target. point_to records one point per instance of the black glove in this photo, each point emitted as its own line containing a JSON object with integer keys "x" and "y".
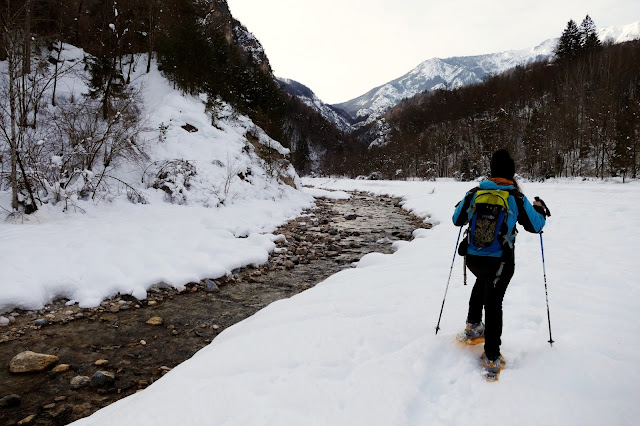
{"x": 543, "y": 209}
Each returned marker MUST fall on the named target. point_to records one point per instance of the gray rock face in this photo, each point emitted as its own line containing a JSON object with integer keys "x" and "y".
{"x": 29, "y": 362}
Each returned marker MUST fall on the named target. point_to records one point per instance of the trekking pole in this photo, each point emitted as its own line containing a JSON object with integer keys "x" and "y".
{"x": 464, "y": 267}
{"x": 544, "y": 271}
{"x": 447, "y": 288}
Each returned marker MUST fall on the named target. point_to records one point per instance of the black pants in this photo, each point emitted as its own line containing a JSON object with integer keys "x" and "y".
{"x": 493, "y": 276}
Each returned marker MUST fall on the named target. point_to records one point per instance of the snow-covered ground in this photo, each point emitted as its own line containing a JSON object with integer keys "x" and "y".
{"x": 101, "y": 247}
{"x": 360, "y": 348}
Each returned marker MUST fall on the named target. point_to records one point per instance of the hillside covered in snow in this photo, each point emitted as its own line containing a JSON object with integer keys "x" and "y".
{"x": 200, "y": 180}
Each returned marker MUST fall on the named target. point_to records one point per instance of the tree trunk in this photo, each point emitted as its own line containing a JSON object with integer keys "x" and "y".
{"x": 55, "y": 76}
{"x": 151, "y": 33}
{"x": 13, "y": 140}
{"x": 80, "y": 9}
{"x": 27, "y": 185}
{"x": 130, "y": 67}
{"x": 26, "y": 65}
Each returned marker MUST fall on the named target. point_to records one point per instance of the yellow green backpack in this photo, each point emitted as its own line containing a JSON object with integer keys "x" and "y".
{"x": 487, "y": 226}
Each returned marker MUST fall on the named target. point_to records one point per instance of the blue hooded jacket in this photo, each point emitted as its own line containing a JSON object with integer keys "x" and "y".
{"x": 520, "y": 211}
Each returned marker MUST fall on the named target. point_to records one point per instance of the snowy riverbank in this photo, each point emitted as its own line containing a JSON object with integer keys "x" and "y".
{"x": 360, "y": 348}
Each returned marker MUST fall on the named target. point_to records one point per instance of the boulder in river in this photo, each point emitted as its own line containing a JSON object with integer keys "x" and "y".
{"x": 29, "y": 362}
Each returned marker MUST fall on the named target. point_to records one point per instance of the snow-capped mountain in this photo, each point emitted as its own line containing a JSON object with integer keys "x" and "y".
{"x": 454, "y": 72}
{"x": 336, "y": 116}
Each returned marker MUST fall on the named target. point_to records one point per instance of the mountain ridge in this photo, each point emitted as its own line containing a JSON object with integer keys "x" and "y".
{"x": 457, "y": 71}
{"x": 336, "y": 116}
{"x": 440, "y": 73}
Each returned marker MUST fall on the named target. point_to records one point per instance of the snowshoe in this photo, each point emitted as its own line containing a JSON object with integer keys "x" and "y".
{"x": 492, "y": 368}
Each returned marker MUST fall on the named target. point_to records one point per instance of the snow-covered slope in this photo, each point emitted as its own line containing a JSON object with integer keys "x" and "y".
{"x": 454, "y": 72}
{"x": 220, "y": 186}
{"x": 334, "y": 115}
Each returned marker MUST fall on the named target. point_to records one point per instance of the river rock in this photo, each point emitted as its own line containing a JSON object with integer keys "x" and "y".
{"x": 101, "y": 362}
{"x": 155, "y": 321}
{"x": 41, "y": 321}
{"x": 9, "y": 401}
{"x": 335, "y": 247}
{"x": 28, "y": 362}
{"x": 60, "y": 368}
{"x": 210, "y": 285}
{"x": 102, "y": 378}
{"x": 80, "y": 382}
{"x": 4, "y": 322}
{"x": 27, "y": 420}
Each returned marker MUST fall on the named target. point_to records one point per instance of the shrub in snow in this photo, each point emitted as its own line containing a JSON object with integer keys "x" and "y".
{"x": 70, "y": 145}
{"x": 173, "y": 178}
{"x": 162, "y": 132}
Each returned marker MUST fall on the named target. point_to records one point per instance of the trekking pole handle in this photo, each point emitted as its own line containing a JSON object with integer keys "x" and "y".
{"x": 547, "y": 212}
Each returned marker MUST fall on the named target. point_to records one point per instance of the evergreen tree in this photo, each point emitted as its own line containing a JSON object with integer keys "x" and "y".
{"x": 570, "y": 42}
{"x": 589, "y": 40}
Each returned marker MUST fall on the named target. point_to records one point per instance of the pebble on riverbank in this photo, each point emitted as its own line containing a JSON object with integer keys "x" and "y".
{"x": 155, "y": 321}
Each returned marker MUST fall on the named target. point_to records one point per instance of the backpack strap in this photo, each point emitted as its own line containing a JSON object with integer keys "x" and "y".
{"x": 523, "y": 218}
{"x": 463, "y": 218}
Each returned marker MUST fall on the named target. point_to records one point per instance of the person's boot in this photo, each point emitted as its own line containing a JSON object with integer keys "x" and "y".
{"x": 493, "y": 367}
{"x": 472, "y": 334}
{"x": 473, "y": 331}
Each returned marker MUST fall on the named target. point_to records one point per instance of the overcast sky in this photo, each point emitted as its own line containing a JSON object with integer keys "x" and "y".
{"x": 343, "y": 48}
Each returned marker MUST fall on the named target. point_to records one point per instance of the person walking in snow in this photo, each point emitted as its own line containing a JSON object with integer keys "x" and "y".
{"x": 492, "y": 210}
